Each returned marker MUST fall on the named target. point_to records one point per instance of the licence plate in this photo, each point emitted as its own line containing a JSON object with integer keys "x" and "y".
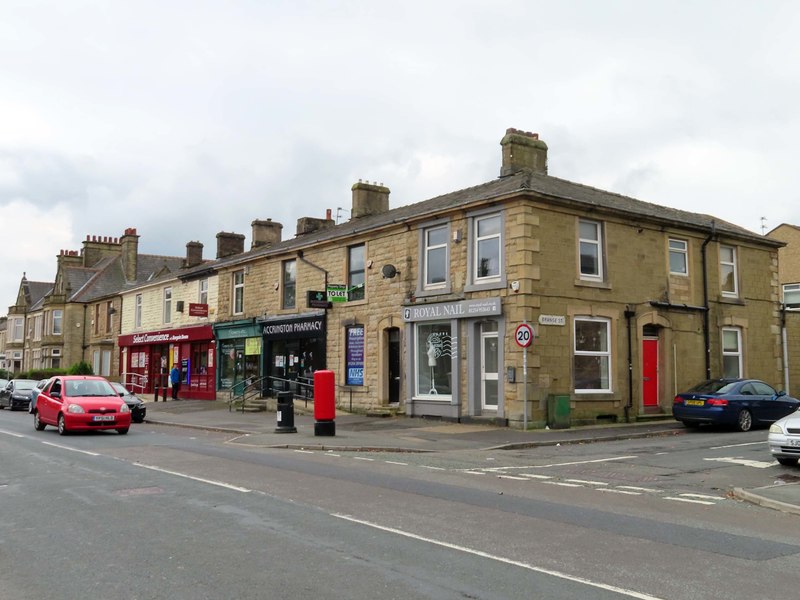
{"x": 696, "y": 402}
{"x": 103, "y": 418}
{"x": 795, "y": 443}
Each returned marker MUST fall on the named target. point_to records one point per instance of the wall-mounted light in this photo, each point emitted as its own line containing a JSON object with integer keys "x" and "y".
{"x": 456, "y": 235}
{"x": 277, "y": 285}
{"x": 369, "y": 264}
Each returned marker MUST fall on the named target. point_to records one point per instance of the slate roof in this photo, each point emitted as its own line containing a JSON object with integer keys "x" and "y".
{"x": 544, "y": 188}
{"x": 37, "y": 291}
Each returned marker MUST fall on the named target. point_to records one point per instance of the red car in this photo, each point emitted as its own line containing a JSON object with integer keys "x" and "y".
{"x": 81, "y": 403}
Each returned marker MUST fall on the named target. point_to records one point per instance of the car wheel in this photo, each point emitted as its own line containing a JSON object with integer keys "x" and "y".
{"x": 690, "y": 424}
{"x": 62, "y": 426}
{"x": 138, "y": 419}
{"x": 37, "y": 423}
{"x": 122, "y": 430}
{"x": 787, "y": 462}
{"x": 745, "y": 421}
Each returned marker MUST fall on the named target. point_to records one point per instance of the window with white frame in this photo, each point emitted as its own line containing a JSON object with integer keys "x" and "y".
{"x": 488, "y": 248}
{"x": 58, "y": 317}
{"x": 168, "y": 305}
{"x": 17, "y": 329}
{"x": 37, "y": 328}
{"x": 591, "y": 250}
{"x": 289, "y": 280}
{"x": 238, "y": 292}
{"x": 435, "y": 257}
{"x": 137, "y": 311}
{"x": 202, "y": 296}
{"x": 678, "y": 257}
{"x": 728, "y": 271}
{"x": 791, "y": 296}
{"x": 731, "y": 352}
{"x": 592, "y": 355}
{"x": 356, "y": 273}
{"x": 101, "y": 363}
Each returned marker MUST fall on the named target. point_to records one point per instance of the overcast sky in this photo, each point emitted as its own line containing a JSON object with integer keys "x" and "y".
{"x": 184, "y": 118}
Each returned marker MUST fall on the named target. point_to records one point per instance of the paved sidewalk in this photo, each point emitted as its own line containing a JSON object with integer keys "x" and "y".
{"x": 403, "y": 434}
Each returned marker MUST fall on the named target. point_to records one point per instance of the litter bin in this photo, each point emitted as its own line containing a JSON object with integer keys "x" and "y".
{"x": 558, "y": 411}
{"x": 285, "y": 413}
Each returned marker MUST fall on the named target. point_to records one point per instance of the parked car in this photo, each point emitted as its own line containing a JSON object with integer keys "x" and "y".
{"x": 784, "y": 439}
{"x": 81, "y": 403}
{"x": 135, "y": 404}
{"x": 3, "y": 383}
{"x": 35, "y": 393}
{"x": 17, "y": 393}
{"x": 741, "y": 403}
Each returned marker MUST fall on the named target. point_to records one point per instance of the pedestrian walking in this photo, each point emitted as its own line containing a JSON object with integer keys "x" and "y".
{"x": 175, "y": 379}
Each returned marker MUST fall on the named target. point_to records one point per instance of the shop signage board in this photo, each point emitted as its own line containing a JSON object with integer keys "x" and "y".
{"x": 198, "y": 310}
{"x": 318, "y": 299}
{"x": 452, "y": 310}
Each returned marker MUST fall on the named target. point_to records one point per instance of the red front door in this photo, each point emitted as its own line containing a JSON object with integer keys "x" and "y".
{"x": 650, "y": 372}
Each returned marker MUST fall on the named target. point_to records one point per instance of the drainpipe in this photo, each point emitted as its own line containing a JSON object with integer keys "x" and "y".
{"x": 785, "y": 343}
{"x": 706, "y": 333}
{"x": 629, "y": 314}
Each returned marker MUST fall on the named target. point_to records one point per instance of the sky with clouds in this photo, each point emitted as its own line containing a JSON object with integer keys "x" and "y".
{"x": 184, "y": 118}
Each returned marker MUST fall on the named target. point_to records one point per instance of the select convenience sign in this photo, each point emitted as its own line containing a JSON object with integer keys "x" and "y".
{"x": 523, "y": 335}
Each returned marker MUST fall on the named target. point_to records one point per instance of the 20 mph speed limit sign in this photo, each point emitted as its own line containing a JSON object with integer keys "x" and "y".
{"x": 524, "y": 335}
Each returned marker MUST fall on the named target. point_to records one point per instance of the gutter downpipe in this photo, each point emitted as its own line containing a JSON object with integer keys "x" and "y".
{"x": 706, "y": 333}
{"x": 629, "y": 314}
{"x": 785, "y": 343}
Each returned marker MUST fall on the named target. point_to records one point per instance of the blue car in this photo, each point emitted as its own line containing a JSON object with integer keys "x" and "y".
{"x": 739, "y": 403}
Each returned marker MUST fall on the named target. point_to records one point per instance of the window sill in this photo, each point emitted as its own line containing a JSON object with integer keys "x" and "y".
{"x": 489, "y": 285}
{"x": 601, "y": 285}
{"x": 731, "y": 300}
{"x": 427, "y": 293}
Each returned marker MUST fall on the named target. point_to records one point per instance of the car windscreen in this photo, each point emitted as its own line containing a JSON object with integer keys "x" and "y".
{"x": 715, "y": 386}
{"x": 119, "y": 388}
{"x": 89, "y": 387}
{"x": 24, "y": 384}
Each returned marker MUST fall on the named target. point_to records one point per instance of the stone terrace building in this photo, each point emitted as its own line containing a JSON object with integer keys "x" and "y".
{"x": 631, "y": 302}
{"x": 789, "y": 278}
{"x": 27, "y": 325}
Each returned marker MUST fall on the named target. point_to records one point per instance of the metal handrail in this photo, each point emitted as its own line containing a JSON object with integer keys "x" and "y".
{"x": 130, "y": 384}
{"x": 242, "y": 390}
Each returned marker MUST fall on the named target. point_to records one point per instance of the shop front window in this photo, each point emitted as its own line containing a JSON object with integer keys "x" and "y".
{"x": 434, "y": 360}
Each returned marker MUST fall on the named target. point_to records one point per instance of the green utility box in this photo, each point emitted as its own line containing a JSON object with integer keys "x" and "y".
{"x": 558, "y": 416}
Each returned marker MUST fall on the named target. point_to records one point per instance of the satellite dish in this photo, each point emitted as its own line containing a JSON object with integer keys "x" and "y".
{"x": 388, "y": 271}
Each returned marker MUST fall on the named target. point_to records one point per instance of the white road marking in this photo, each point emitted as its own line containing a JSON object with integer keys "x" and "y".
{"x": 394, "y": 462}
{"x": 475, "y": 472}
{"x": 638, "y": 489}
{"x": 192, "y": 477}
{"x": 758, "y": 464}
{"x": 70, "y": 449}
{"x": 433, "y": 468}
{"x": 12, "y": 434}
{"x": 613, "y": 491}
{"x": 332, "y": 454}
{"x": 511, "y": 477}
{"x": 562, "y": 484}
{"x": 532, "y": 476}
{"x": 304, "y": 451}
{"x": 508, "y": 561}
{"x": 738, "y": 445}
{"x": 363, "y": 458}
{"x": 700, "y": 496}
{"x": 689, "y": 500}
{"x": 582, "y": 462}
{"x": 586, "y": 482}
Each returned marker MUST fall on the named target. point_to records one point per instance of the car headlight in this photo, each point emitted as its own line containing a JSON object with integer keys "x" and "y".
{"x": 775, "y": 428}
{"x": 75, "y": 409}
{"x": 124, "y": 408}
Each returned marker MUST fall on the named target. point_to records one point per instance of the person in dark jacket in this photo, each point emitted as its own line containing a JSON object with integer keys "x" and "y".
{"x": 175, "y": 379}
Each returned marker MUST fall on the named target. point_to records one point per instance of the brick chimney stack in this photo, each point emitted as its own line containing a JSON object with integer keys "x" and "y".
{"x": 229, "y": 244}
{"x": 369, "y": 199}
{"x": 266, "y": 233}
{"x": 130, "y": 253}
{"x": 194, "y": 254}
{"x": 523, "y": 150}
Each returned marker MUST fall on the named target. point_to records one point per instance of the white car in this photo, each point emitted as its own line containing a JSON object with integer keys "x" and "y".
{"x": 784, "y": 439}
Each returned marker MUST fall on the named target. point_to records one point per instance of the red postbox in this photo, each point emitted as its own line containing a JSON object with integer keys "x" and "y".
{"x": 324, "y": 403}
